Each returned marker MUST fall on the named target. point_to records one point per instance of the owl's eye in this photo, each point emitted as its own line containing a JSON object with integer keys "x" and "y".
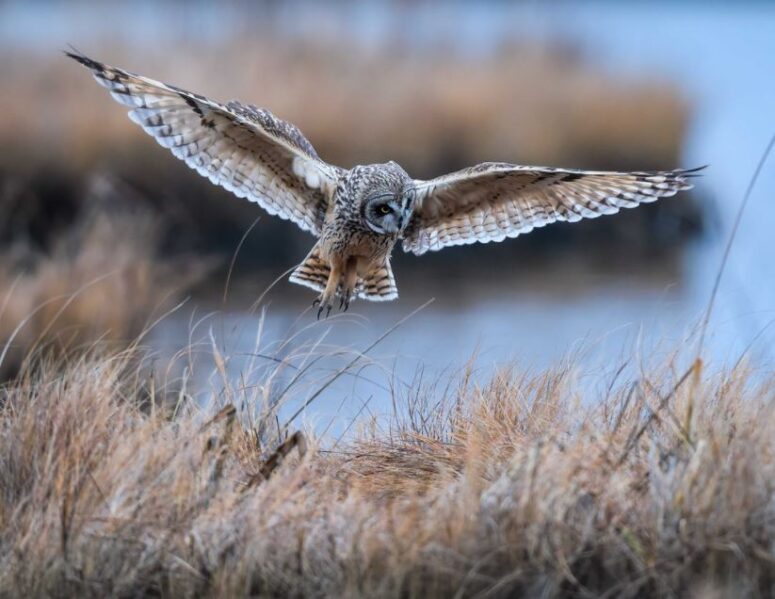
{"x": 384, "y": 209}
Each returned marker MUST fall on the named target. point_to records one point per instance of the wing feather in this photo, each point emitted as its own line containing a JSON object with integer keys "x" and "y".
{"x": 494, "y": 201}
{"x": 246, "y": 150}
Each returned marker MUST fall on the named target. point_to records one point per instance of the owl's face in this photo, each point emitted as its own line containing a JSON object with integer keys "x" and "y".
{"x": 387, "y": 199}
{"x": 388, "y": 213}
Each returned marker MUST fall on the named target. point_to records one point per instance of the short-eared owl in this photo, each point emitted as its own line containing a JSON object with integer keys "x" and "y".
{"x": 359, "y": 214}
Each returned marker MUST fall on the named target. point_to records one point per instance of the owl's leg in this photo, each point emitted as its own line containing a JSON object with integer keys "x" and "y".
{"x": 350, "y": 280}
{"x": 326, "y": 298}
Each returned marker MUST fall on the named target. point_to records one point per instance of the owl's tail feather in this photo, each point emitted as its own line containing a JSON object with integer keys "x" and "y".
{"x": 313, "y": 272}
{"x": 379, "y": 285}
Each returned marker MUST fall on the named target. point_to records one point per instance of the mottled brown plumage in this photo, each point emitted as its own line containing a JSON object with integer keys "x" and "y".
{"x": 360, "y": 214}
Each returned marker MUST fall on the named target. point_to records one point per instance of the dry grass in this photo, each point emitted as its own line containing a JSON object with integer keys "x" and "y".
{"x": 430, "y": 111}
{"x": 664, "y": 487}
{"x": 103, "y": 281}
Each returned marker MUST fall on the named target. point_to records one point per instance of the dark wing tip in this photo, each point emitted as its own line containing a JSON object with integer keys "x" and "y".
{"x": 691, "y": 172}
{"x": 80, "y": 57}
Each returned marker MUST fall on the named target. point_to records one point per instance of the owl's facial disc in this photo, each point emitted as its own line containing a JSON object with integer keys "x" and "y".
{"x": 388, "y": 213}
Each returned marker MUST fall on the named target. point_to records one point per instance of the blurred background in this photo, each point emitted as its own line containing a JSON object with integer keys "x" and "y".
{"x": 103, "y": 233}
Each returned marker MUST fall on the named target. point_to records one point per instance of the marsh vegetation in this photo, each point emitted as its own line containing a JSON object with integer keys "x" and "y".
{"x": 112, "y": 484}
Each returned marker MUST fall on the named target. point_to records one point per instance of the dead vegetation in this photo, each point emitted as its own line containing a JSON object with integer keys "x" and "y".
{"x": 431, "y": 110}
{"x": 663, "y": 487}
{"x": 103, "y": 280}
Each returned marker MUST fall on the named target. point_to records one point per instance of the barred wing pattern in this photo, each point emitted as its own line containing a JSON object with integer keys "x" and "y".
{"x": 245, "y": 149}
{"x": 493, "y": 201}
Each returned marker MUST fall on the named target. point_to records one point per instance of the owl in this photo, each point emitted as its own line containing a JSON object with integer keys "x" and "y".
{"x": 359, "y": 215}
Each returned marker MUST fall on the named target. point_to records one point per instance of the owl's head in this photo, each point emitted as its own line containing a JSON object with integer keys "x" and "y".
{"x": 387, "y": 198}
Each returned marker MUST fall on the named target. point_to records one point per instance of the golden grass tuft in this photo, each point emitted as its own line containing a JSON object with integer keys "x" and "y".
{"x": 520, "y": 487}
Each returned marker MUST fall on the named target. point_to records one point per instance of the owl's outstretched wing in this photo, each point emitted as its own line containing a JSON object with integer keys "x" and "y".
{"x": 493, "y": 201}
{"x": 245, "y": 149}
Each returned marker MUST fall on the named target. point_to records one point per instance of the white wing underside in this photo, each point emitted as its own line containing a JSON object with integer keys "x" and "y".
{"x": 246, "y": 150}
{"x": 494, "y": 201}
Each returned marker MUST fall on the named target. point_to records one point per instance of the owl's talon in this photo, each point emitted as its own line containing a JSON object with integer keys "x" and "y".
{"x": 324, "y": 304}
{"x": 315, "y": 302}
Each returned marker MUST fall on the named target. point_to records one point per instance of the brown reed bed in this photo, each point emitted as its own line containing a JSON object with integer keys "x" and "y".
{"x": 102, "y": 280}
{"x": 429, "y": 110}
{"x": 661, "y": 486}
